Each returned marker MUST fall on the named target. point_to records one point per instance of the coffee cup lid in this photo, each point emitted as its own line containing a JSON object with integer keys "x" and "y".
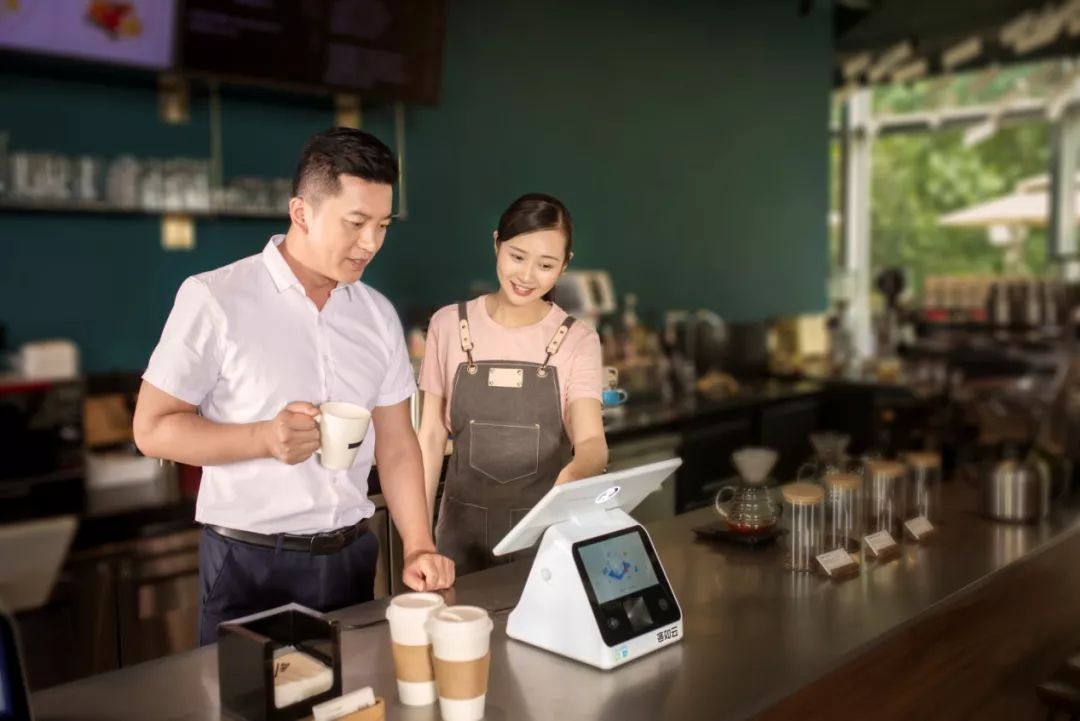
{"x": 459, "y": 619}
{"x": 411, "y": 603}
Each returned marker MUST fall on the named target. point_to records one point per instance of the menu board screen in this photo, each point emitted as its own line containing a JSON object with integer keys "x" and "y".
{"x": 385, "y": 48}
{"x": 136, "y": 32}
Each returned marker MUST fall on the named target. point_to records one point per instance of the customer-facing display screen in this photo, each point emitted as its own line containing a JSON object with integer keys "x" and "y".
{"x": 5, "y": 685}
{"x": 617, "y": 566}
{"x": 14, "y": 705}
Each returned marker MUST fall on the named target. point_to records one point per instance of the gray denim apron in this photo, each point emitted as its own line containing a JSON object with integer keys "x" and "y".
{"x": 509, "y": 446}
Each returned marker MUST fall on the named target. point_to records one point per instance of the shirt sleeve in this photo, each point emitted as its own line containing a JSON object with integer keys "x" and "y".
{"x": 186, "y": 363}
{"x": 398, "y": 384}
{"x": 586, "y": 378}
{"x": 432, "y": 378}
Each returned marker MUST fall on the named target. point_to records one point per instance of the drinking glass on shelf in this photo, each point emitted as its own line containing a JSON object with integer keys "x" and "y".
{"x": 21, "y": 186}
{"x": 122, "y": 182}
{"x": 89, "y": 178}
{"x": 173, "y": 182}
{"x": 198, "y": 192}
{"x": 152, "y": 184}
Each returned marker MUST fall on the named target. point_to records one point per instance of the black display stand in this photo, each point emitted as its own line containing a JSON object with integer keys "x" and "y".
{"x": 246, "y": 661}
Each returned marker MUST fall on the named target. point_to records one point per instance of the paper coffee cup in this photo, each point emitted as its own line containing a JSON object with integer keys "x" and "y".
{"x": 342, "y": 427}
{"x": 461, "y": 651}
{"x": 408, "y": 615}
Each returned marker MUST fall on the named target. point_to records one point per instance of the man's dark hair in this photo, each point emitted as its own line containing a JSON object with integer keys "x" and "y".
{"x": 342, "y": 151}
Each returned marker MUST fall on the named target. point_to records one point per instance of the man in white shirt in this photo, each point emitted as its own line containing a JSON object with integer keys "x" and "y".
{"x": 247, "y": 354}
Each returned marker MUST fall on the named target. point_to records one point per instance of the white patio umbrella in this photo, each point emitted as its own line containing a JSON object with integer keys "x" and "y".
{"x": 1028, "y": 205}
{"x": 1026, "y": 209}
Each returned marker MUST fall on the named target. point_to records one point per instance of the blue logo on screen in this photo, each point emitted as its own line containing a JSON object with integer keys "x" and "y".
{"x": 617, "y": 573}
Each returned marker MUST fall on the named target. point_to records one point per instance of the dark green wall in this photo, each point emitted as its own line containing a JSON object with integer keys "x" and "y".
{"x": 688, "y": 138}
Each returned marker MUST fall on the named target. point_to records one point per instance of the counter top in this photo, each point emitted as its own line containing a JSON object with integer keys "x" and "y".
{"x": 120, "y": 514}
{"x": 631, "y": 417}
{"x": 754, "y": 633}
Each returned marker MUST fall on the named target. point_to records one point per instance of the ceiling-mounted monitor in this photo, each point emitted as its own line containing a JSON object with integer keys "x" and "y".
{"x": 135, "y": 33}
{"x": 389, "y": 49}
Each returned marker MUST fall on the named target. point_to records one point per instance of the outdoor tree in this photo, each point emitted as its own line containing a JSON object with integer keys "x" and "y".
{"x": 918, "y": 176}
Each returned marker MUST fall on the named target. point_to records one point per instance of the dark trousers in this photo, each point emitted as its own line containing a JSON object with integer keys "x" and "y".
{"x": 237, "y": 579}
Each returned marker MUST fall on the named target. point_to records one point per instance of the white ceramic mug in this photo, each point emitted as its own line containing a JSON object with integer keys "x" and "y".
{"x": 342, "y": 427}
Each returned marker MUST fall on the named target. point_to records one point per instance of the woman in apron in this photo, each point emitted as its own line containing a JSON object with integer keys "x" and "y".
{"x": 517, "y": 382}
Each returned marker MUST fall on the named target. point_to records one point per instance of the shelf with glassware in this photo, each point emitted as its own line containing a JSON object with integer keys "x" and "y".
{"x": 8, "y": 205}
{"x": 45, "y": 182}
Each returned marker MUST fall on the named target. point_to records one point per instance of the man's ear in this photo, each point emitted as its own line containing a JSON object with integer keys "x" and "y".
{"x": 298, "y": 213}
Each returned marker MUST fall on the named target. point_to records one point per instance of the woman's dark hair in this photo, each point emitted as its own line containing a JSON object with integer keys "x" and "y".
{"x": 342, "y": 151}
{"x": 533, "y": 212}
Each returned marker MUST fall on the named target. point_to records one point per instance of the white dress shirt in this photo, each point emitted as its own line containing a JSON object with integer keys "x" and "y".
{"x": 244, "y": 341}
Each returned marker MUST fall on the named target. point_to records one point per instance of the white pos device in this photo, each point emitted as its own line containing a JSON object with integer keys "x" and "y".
{"x": 596, "y": 592}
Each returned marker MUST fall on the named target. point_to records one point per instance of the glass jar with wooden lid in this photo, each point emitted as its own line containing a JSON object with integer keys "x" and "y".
{"x": 843, "y": 511}
{"x": 884, "y": 496}
{"x": 805, "y": 523}
{"x": 924, "y": 485}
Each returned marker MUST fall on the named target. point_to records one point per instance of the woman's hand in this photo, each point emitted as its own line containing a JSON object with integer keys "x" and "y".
{"x": 566, "y": 475}
{"x": 590, "y": 445}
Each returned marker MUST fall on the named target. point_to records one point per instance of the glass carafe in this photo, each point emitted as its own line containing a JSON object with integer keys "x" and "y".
{"x": 830, "y": 457}
{"x": 750, "y": 507}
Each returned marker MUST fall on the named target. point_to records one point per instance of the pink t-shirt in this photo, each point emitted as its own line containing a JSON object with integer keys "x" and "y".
{"x": 579, "y": 361}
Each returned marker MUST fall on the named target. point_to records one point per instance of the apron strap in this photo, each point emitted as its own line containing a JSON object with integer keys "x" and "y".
{"x": 465, "y": 336}
{"x": 555, "y": 344}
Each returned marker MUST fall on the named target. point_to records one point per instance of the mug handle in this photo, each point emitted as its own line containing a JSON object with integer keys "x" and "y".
{"x": 623, "y": 394}
{"x": 318, "y": 419}
{"x": 799, "y": 473}
{"x": 717, "y": 501}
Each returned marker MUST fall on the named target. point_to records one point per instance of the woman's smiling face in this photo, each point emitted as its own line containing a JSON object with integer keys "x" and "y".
{"x": 528, "y": 265}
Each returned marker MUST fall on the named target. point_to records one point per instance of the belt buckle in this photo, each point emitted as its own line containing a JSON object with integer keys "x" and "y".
{"x": 323, "y": 544}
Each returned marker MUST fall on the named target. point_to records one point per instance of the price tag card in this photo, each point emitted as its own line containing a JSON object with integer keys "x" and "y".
{"x": 881, "y": 544}
{"x": 919, "y": 528}
{"x": 838, "y": 564}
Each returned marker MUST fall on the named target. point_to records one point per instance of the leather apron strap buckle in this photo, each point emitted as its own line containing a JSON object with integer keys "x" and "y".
{"x": 555, "y": 344}
{"x": 465, "y": 336}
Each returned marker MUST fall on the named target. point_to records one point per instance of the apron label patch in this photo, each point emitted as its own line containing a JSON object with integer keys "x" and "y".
{"x": 505, "y": 377}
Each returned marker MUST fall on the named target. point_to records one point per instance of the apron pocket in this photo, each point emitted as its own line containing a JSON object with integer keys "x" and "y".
{"x": 504, "y": 452}
{"x": 462, "y": 534}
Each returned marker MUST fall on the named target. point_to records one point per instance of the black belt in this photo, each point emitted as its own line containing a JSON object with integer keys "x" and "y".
{"x": 320, "y": 544}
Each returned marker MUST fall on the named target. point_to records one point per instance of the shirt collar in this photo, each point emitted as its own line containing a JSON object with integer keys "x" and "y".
{"x": 275, "y": 263}
{"x": 283, "y": 275}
